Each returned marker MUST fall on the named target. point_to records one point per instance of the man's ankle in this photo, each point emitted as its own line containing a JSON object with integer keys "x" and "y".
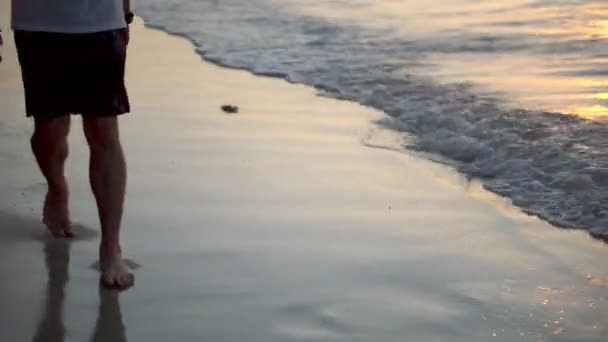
{"x": 110, "y": 248}
{"x": 58, "y": 188}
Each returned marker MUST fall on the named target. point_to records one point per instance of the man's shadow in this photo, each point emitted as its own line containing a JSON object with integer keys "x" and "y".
{"x": 109, "y": 326}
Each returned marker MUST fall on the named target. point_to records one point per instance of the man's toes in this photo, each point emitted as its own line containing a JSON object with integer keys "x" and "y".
{"x": 67, "y": 231}
{"x": 112, "y": 279}
{"x": 58, "y": 234}
{"x": 108, "y": 279}
{"x": 125, "y": 280}
{"x": 55, "y": 229}
{"x": 56, "y": 218}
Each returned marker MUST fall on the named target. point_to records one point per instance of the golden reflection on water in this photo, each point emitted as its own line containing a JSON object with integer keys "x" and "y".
{"x": 530, "y": 82}
{"x": 601, "y": 96}
{"x": 599, "y": 92}
{"x": 591, "y": 112}
{"x": 601, "y": 29}
{"x": 521, "y": 78}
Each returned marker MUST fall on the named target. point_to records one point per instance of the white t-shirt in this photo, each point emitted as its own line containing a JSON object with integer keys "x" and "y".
{"x": 68, "y": 16}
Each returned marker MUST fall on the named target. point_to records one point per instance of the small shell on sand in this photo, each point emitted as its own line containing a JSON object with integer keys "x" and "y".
{"x": 230, "y": 109}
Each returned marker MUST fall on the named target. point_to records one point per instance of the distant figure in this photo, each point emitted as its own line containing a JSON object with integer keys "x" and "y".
{"x": 72, "y": 55}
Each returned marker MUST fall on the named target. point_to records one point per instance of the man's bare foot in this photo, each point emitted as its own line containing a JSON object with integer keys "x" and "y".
{"x": 114, "y": 270}
{"x": 56, "y": 215}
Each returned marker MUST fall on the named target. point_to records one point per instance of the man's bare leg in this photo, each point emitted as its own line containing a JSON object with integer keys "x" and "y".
{"x": 108, "y": 174}
{"x": 50, "y": 146}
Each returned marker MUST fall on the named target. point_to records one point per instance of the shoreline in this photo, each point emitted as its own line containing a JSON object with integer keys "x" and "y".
{"x": 277, "y": 224}
{"x": 436, "y": 152}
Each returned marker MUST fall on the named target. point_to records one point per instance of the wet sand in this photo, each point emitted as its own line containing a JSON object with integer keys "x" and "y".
{"x": 279, "y": 224}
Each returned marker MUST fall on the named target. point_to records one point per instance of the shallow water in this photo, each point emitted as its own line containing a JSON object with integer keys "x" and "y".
{"x": 545, "y": 55}
{"x": 476, "y": 82}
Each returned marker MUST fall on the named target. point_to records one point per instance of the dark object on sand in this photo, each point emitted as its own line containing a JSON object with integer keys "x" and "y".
{"x": 230, "y": 109}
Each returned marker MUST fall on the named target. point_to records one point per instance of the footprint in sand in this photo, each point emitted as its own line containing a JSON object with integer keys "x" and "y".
{"x": 310, "y": 321}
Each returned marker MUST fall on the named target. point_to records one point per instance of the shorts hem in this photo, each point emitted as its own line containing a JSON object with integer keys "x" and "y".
{"x": 84, "y": 114}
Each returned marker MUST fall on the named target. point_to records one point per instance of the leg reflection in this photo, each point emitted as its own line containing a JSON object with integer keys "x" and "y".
{"x": 57, "y": 259}
{"x": 109, "y": 327}
{"x": 109, "y": 321}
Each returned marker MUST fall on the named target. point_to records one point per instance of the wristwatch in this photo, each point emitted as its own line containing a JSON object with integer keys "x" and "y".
{"x": 129, "y": 16}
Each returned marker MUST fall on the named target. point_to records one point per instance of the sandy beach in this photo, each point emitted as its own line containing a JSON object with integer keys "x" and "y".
{"x": 278, "y": 224}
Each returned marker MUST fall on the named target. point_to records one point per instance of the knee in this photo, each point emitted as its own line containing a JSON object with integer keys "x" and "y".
{"x": 102, "y": 133}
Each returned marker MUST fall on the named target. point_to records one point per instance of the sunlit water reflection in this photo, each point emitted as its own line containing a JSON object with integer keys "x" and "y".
{"x": 545, "y": 55}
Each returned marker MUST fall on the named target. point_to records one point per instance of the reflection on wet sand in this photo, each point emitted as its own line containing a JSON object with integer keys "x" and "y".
{"x": 57, "y": 259}
{"x": 109, "y": 326}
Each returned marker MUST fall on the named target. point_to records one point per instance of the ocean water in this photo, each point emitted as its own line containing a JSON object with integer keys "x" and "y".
{"x": 512, "y": 92}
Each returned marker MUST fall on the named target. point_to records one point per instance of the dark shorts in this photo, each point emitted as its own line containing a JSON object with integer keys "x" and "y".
{"x": 73, "y": 73}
